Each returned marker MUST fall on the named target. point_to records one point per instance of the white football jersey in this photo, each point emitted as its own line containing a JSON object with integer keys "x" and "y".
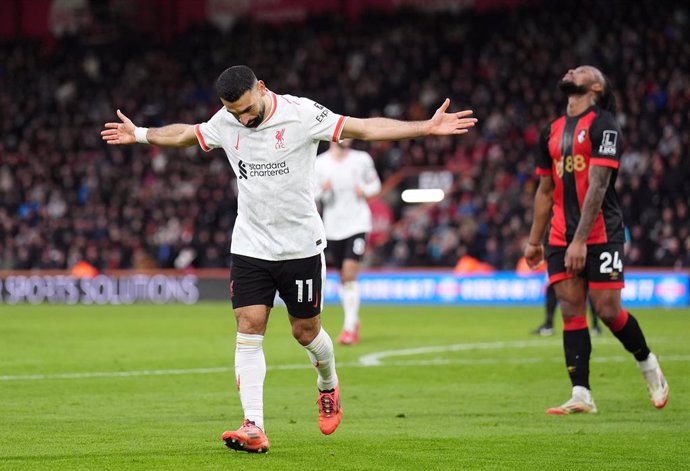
{"x": 344, "y": 213}
{"x": 277, "y": 217}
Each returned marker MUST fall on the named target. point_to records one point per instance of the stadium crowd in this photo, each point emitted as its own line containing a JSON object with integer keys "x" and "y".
{"x": 65, "y": 196}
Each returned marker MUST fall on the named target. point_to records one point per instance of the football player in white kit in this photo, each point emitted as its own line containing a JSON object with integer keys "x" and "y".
{"x": 271, "y": 142}
{"x": 345, "y": 178}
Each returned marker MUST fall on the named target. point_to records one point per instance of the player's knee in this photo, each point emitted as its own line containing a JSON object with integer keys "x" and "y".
{"x": 608, "y": 311}
{"x": 344, "y": 276}
{"x": 349, "y": 271}
{"x": 607, "y": 307}
{"x": 348, "y": 277}
{"x": 571, "y": 307}
{"x": 305, "y": 332}
{"x": 249, "y": 326}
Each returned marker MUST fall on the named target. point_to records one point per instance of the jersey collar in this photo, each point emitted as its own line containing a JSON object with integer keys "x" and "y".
{"x": 273, "y": 111}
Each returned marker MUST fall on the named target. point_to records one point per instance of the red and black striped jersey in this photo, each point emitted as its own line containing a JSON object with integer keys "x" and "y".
{"x": 568, "y": 146}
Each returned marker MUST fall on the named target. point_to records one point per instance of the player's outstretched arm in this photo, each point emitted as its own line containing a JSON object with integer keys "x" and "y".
{"x": 125, "y": 132}
{"x": 385, "y": 129}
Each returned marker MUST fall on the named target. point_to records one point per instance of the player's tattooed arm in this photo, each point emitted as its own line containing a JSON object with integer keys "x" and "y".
{"x": 599, "y": 178}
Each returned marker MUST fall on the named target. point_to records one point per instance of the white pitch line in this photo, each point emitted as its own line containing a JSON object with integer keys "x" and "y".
{"x": 115, "y": 374}
{"x": 366, "y": 361}
{"x": 374, "y": 359}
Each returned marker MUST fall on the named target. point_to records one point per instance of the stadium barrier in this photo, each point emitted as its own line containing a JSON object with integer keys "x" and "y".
{"x": 642, "y": 289}
{"x": 645, "y": 288}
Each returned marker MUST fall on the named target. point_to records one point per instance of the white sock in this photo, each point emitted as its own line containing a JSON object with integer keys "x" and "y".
{"x": 250, "y": 372}
{"x": 320, "y": 352}
{"x": 350, "y": 299}
{"x": 651, "y": 363}
{"x": 582, "y": 392}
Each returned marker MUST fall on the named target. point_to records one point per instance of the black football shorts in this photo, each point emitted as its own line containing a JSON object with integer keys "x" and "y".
{"x": 603, "y": 267}
{"x": 298, "y": 282}
{"x": 352, "y": 248}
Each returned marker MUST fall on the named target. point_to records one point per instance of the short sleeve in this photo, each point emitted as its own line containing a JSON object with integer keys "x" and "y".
{"x": 544, "y": 161}
{"x": 321, "y": 124}
{"x": 605, "y": 135}
{"x": 208, "y": 133}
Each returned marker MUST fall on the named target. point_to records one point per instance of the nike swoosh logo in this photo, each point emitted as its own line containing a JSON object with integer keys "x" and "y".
{"x": 237, "y": 144}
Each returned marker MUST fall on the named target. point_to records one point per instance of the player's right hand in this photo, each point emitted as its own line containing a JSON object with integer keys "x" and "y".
{"x": 534, "y": 255}
{"x": 119, "y": 133}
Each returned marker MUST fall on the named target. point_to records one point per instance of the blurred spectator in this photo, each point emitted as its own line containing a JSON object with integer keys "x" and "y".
{"x": 65, "y": 197}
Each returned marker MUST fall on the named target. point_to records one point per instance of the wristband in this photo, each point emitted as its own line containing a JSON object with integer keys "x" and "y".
{"x": 140, "y": 135}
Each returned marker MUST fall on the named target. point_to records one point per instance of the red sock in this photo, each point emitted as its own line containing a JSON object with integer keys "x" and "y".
{"x": 619, "y": 322}
{"x": 575, "y": 322}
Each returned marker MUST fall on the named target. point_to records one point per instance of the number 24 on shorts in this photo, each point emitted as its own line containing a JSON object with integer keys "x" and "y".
{"x": 610, "y": 262}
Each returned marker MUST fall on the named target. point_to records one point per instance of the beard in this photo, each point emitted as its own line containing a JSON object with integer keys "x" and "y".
{"x": 254, "y": 123}
{"x": 571, "y": 88}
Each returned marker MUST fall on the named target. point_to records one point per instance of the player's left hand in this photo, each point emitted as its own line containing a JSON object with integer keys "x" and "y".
{"x": 445, "y": 124}
{"x": 119, "y": 133}
{"x": 575, "y": 257}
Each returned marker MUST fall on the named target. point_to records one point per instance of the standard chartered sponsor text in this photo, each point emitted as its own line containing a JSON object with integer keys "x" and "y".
{"x": 270, "y": 169}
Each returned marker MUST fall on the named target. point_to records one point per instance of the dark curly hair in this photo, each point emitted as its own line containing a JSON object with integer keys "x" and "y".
{"x": 234, "y": 82}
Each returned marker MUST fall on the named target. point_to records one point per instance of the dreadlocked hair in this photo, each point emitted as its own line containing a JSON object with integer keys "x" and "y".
{"x": 607, "y": 100}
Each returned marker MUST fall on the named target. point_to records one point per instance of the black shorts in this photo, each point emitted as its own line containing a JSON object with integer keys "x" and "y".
{"x": 603, "y": 267}
{"x": 352, "y": 248}
{"x": 298, "y": 282}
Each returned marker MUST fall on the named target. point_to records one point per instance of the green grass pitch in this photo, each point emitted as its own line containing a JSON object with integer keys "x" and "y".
{"x": 152, "y": 387}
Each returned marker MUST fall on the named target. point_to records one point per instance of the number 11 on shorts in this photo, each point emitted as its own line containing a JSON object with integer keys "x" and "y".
{"x": 300, "y": 289}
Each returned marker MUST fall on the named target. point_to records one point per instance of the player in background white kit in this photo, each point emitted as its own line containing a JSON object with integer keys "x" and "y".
{"x": 345, "y": 178}
{"x": 278, "y": 240}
